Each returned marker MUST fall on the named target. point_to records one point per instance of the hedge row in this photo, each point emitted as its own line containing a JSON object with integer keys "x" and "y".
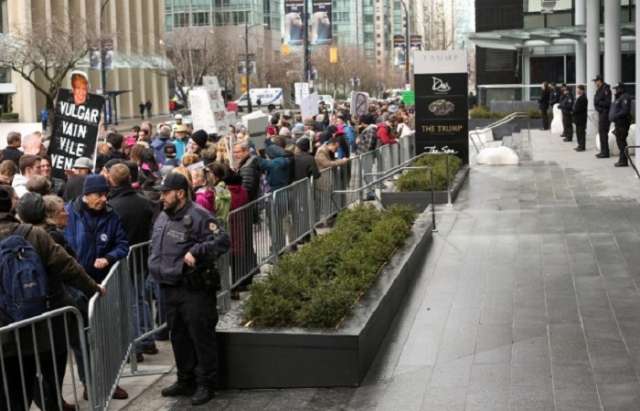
{"x": 420, "y": 180}
{"x": 317, "y": 286}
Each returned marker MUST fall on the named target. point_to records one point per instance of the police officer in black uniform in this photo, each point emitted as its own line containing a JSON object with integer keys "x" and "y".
{"x": 602, "y": 104}
{"x": 543, "y": 104}
{"x": 580, "y": 117}
{"x": 185, "y": 244}
{"x": 620, "y": 116}
{"x": 554, "y": 98}
{"x": 566, "y": 105}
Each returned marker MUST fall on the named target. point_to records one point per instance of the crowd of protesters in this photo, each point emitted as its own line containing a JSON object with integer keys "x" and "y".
{"x": 82, "y": 225}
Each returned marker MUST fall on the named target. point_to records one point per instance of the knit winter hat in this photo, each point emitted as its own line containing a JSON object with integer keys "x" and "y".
{"x": 95, "y": 183}
{"x": 200, "y": 138}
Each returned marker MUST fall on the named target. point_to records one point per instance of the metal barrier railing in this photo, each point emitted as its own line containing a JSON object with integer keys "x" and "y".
{"x": 33, "y": 360}
{"x": 475, "y": 135}
{"x": 627, "y": 152}
{"x": 110, "y": 334}
{"x": 251, "y": 242}
{"x": 292, "y": 214}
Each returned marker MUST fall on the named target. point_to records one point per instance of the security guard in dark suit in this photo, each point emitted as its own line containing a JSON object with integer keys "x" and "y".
{"x": 566, "y": 106}
{"x": 580, "y": 117}
{"x": 185, "y": 244}
{"x": 620, "y": 115}
{"x": 602, "y": 104}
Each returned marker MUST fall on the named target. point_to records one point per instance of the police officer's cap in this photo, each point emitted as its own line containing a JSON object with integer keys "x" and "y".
{"x": 619, "y": 86}
{"x": 598, "y": 78}
{"x": 174, "y": 181}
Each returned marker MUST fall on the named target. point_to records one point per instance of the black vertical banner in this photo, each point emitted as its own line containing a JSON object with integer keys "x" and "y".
{"x": 75, "y": 130}
{"x": 442, "y": 112}
{"x": 320, "y": 31}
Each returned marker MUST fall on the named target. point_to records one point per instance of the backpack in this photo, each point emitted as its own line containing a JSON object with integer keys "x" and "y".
{"x": 23, "y": 278}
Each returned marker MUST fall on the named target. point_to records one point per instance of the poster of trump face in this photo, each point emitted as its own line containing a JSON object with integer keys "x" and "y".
{"x": 293, "y": 22}
{"x": 320, "y": 32}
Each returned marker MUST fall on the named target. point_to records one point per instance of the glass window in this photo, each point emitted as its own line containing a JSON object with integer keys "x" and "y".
{"x": 201, "y": 19}
{"x": 181, "y": 19}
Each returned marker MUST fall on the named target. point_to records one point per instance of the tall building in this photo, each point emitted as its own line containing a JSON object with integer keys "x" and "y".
{"x": 520, "y": 42}
{"x": 135, "y": 29}
{"x": 227, "y": 20}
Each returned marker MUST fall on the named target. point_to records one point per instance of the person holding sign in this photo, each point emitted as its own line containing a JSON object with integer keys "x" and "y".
{"x": 78, "y": 115}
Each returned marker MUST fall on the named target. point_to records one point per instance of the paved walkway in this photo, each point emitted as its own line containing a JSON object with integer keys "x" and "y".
{"x": 529, "y": 300}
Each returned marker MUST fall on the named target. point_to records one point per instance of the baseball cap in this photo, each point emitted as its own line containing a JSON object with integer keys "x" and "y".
{"x": 598, "y": 78}
{"x": 174, "y": 181}
{"x": 181, "y": 128}
{"x": 620, "y": 85}
{"x": 83, "y": 162}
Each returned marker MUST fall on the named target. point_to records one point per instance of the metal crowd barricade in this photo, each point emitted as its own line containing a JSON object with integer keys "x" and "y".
{"x": 323, "y": 186}
{"x": 251, "y": 242}
{"x": 110, "y": 334}
{"x": 33, "y": 358}
{"x": 386, "y": 160}
{"x": 292, "y": 217}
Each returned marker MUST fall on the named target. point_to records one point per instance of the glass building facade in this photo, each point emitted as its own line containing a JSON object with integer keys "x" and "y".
{"x": 194, "y": 13}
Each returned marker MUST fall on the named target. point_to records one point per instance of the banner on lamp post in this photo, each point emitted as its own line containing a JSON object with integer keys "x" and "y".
{"x": 442, "y": 112}
{"x": 320, "y": 31}
{"x": 293, "y": 34}
{"x": 399, "y": 50}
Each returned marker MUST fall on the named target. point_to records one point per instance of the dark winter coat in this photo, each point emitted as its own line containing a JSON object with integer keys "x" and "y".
{"x": 135, "y": 212}
{"x": 95, "y": 235}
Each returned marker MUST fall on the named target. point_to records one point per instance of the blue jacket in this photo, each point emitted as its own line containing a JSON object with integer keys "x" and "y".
{"x": 95, "y": 235}
{"x": 278, "y": 168}
{"x": 158, "y": 148}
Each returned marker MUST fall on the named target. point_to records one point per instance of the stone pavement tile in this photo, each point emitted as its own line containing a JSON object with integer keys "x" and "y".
{"x": 258, "y": 400}
{"x": 366, "y": 397}
{"x": 532, "y": 350}
{"x": 620, "y": 396}
{"x": 488, "y": 398}
{"x": 531, "y": 397}
{"x": 294, "y": 399}
{"x": 569, "y": 353}
{"x": 444, "y": 399}
{"x": 455, "y": 373}
{"x": 534, "y": 374}
{"x": 577, "y": 399}
{"x": 405, "y": 391}
{"x": 571, "y": 376}
{"x": 493, "y": 344}
{"x": 601, "y": 328}
{"x": 498, "y": 375}
{"x": 530, "y": 331}
{"x": 325, "y": 399}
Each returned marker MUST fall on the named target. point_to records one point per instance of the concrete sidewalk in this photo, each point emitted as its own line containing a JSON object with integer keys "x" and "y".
{"x": 528, "y": 300}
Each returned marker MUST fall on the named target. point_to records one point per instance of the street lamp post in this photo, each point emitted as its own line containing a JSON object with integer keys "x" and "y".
{"x": 247, "y": 69}
{"x": 406, "y": 44}
{"x": 305, "y": 25}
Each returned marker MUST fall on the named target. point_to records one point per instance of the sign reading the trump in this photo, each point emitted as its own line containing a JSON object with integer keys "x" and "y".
{"x": 75, "y": 128}
{"x": 442, "y": 113}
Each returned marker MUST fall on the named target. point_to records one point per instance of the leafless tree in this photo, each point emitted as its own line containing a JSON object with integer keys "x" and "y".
{"x": 44, "y": 53}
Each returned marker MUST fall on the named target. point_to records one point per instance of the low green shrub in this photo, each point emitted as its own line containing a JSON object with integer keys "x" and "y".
{"x": 317, "y": 286}
{"x": 420, "y": 180}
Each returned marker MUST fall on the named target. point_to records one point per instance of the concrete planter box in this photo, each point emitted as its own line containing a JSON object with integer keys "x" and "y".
{"x": 282, "y": 358}
{"x": 422, "y": 199}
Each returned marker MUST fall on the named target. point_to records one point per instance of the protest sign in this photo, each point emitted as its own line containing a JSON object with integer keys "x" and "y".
{"x": 75, "y": 129}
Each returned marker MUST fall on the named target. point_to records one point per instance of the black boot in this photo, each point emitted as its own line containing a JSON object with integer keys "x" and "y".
{"x": 179, "y": 389}
{"x": 202, "y": 395}
{"x": 621, "y": 164}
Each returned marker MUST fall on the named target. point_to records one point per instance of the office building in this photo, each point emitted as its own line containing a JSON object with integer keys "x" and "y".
{"x": 135, "y": 28}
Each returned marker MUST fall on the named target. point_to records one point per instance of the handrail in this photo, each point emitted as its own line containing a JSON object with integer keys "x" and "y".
{"x": 505, "y": 120}
{"x": 395, "y": 170}
{"x": 630, "y": 159}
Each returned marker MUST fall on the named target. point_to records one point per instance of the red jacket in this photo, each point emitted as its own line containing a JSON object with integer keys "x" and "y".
{"x": 384, "y": 135}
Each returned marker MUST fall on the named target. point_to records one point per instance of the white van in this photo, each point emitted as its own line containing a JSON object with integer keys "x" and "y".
{"x": 266, "y": 96}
